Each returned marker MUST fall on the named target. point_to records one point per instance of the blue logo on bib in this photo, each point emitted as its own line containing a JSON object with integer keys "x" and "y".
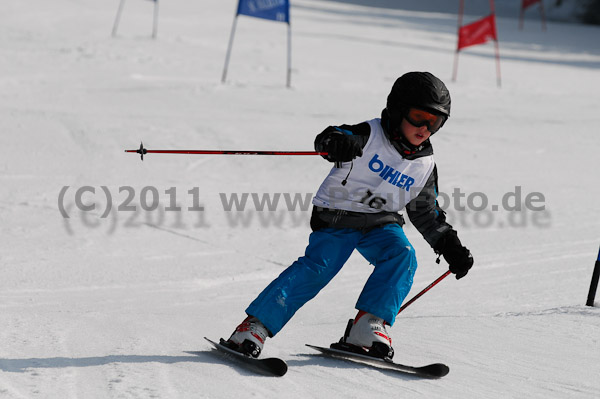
{"x": 389, "y": 174}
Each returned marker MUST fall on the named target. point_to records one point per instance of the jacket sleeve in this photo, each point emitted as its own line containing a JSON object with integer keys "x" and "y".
{"x": 360, "y": 133}
{"x": 425, "y": 213}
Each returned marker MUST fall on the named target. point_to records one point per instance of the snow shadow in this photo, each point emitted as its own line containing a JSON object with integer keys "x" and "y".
{"x": 444, "y": 23}
{"x": 503, "y": 8}
{"x": 23, "y": 365}
{"x": 562, "y": 44}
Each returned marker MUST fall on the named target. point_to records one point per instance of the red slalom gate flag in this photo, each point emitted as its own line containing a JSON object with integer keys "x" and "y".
{"x": 528, "y": 3}
{"x": 477, "y": 32}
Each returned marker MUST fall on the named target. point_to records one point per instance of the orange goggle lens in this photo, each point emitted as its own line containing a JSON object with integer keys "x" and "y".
{"x": 418, "y": 117}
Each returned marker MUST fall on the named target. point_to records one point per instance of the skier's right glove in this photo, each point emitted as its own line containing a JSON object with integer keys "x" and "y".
{"x": 459, "y": 258}
{"x": 342, "y": 148}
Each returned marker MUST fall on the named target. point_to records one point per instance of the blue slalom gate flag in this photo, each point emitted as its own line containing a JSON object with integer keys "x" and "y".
{"x": 275, "y": 10}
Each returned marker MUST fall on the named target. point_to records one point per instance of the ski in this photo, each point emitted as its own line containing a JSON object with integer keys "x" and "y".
{"x": 271, "y": 366}
{"x": 435, "y": 370}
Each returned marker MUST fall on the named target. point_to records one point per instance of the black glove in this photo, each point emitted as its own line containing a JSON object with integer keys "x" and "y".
{"x": 459, "y": 258}
{"x": 342, "y": 148}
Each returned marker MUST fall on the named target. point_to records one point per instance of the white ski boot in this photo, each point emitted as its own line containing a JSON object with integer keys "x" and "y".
{"x": 249, "y": 337}
{"x": 367, "y": 333}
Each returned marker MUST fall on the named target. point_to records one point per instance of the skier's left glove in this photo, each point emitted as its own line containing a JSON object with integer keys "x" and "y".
{"x": 459, "y": 258}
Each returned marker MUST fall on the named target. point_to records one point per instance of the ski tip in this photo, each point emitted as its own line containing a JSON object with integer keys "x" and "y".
{"x": 270, "y": 366}
{"x": 279, "y": 368}
{"x": 436, "y": 370}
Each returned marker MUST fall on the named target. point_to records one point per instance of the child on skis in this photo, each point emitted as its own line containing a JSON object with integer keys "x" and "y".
{"x": 386, "y": 165}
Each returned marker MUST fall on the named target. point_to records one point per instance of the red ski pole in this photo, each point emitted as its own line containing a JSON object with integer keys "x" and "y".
{"x": 420, "y": 294}
{"x": 143, "y": 151}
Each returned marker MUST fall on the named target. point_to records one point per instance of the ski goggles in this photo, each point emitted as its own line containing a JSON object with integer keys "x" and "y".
{"x": 418, "y": 117}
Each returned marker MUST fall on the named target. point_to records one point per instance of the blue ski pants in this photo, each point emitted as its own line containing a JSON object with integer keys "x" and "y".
{"x": 386, "y": 248}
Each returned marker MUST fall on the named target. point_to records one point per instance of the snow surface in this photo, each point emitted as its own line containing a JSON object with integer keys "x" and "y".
{"x": 110, "y": 307}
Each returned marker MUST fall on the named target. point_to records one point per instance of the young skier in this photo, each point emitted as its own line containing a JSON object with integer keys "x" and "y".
{"x": 385, "y": 165}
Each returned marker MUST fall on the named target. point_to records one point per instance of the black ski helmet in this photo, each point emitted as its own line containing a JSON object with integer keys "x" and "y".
{"x": 417, "y": 89}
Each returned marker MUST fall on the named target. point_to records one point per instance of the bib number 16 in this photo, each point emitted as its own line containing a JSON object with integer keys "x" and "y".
{"x": 372, "y": 200}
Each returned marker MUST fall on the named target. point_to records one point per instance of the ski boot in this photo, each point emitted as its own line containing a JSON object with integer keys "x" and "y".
{"x": 366, "y": 335}
{"x": 248, "y": 338}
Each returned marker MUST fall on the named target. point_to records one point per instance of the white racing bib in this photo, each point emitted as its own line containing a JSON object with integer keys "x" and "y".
{"x": 380, "y": 180}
